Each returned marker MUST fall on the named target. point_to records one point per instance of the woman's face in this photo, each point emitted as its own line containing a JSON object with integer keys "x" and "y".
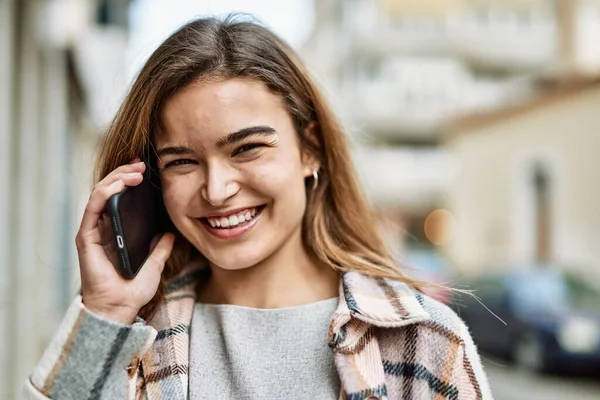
{"x": 232, "y": 171}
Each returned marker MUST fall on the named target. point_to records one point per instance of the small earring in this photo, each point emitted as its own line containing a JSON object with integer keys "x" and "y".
{"x": 315, "y": 179}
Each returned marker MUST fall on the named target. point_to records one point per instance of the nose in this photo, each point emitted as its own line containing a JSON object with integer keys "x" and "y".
{"x": 220, "y": 185}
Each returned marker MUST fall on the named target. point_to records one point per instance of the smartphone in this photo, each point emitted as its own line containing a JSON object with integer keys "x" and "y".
{"x": 135, "y": 219}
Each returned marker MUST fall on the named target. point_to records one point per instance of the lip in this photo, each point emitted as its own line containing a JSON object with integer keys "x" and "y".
{"x": 232, "y": 233}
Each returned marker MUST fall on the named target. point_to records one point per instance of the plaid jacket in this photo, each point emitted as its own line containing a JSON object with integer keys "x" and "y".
{"x": 388, "y": 343}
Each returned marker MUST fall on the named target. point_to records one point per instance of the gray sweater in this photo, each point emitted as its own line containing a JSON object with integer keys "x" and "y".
{"x": 246, "y": 353}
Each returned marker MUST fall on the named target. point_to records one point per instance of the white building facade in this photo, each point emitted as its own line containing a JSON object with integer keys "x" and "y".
{"x": 398, "y": 70}
{"x": 51, "y": 114}
{"x": 526, "y": 190}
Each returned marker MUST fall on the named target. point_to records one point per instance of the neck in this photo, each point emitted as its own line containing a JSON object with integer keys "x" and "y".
{"x": 287, "y": 278}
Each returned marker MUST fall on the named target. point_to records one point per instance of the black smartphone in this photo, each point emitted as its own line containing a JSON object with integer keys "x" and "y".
{"x": 135, "y": 219}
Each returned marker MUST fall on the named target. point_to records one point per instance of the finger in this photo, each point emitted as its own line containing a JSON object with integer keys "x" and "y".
{"x": 88, "y": 232}
{"x": 154, "y": 241}
{"x": 101, "y": 194}
{"x": 162, "y": 250}
{"x": 95, "y": 206}
{"x": 155, "y": 263}
{"x": 131, "y": 178}
{"x": 117, "y": 173}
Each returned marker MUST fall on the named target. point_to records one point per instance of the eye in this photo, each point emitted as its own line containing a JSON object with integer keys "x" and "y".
{"x": 246, "y": 148}
{"x": 175, "y": 163}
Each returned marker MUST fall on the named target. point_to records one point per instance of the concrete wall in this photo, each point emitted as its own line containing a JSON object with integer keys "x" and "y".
{"x": 492, "y": 195}
{"x": 6, "y": 123}
{"x": 47, "y": 141}
{"x": 34, "y": 134}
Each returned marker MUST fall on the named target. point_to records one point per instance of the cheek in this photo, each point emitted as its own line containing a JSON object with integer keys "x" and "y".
{"x": 178, "y": 193}
{"x": 276, "y": 177}
{"x": 283, "y": 166}
{"x": 283, "y": 182}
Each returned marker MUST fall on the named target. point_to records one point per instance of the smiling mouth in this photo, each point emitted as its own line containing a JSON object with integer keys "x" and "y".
{"x": 236, "y": 220}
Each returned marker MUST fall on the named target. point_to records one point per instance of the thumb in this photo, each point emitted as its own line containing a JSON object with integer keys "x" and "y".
{"x": 155, "y": 263}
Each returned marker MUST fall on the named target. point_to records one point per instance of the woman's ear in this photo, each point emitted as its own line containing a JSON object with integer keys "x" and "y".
{"x": 310, "y": 161}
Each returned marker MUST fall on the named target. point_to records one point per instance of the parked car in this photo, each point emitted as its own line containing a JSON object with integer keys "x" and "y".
{"x": 551, "y": 320}
{"x": 429, "y": 266}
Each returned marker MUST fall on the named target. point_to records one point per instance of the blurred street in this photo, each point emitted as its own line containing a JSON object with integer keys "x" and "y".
{"x": 473, "y": 126}
{"x": 509, "y": 383}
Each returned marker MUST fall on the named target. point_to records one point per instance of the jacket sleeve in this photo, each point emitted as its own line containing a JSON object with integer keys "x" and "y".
{"x": 471, "y": 365}
{"x": 452, "y": 354}
{"x": 88, "y": 358}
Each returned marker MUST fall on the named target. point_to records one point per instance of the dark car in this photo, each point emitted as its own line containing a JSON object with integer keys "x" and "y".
{"x": 550, "y": 321}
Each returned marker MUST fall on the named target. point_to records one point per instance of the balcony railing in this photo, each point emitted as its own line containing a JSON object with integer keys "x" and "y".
{"x": 393, "y": 110}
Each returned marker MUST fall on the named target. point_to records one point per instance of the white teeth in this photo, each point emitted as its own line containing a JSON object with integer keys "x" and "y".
{"x": 233, "y": 220}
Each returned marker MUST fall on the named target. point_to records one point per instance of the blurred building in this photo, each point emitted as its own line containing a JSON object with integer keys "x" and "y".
{"x": 527, "y": 190}
{"x": 61, "y": 63}
{"x": 400, "y": 69}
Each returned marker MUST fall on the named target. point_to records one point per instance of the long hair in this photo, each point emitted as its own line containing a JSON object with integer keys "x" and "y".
{"x": 339, "y": 228}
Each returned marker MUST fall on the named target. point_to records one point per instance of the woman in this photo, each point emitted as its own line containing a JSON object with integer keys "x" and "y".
{"x": 273, "y": 282}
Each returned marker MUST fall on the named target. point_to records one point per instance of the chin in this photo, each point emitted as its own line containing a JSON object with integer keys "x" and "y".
{"x": 237, "y": 261}
{"x": 233, "y": 254}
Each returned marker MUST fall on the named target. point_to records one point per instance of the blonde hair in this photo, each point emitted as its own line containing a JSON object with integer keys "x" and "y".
{"x": 339, "y": 228}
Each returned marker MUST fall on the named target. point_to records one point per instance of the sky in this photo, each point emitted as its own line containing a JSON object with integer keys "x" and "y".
{"x": 153, "y": 20}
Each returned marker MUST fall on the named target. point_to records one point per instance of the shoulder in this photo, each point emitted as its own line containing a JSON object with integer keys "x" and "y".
{"x": 441, "y": 316}
{"x": 440, "y": 347}
{"x": 439, "y": 323}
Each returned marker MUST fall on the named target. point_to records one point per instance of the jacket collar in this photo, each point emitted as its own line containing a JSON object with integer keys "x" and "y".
{"x": 374, "y": 301}
{"x": 366, "y": 302}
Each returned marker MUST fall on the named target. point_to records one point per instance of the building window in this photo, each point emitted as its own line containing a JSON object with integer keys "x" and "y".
{"x": 542, "y": 214}
{"x": 112, "y": 13}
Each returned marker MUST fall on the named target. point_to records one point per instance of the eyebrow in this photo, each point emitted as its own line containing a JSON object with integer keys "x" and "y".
{"x": 261, "y": 130}
{"x": 173, "y": 151}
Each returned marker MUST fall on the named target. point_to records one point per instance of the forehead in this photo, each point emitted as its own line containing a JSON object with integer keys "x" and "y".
{"x": 211, "y": 109}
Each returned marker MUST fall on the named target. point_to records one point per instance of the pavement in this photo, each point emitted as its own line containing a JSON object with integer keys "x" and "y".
{"x": 509, "y": 383}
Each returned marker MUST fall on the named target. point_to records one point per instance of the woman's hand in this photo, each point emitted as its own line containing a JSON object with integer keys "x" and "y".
{"x": 105, "y": 292}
